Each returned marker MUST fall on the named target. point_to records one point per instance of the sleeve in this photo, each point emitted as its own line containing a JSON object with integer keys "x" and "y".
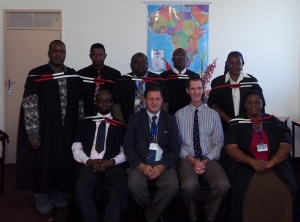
{"x": 232, "y": 134}
{"x": 283, "y": 132}
{"x": 120, "y": 158}
{"x": 129, "y": 145}
{"x": 184, "y": 152}
{"x": 213, "y": 94}
{"x": 31, "y": 108}
{"x": 217, "y": 138}
{"x": 78, "y": 153}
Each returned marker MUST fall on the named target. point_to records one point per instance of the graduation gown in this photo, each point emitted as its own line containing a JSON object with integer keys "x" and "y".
{"x": 240, "y": 174}
{"x": 88, "y": 89}
{"x": 49, "y": 167}
{"x": 177, "y": 90}
{"x": 124, "y": 93}
{"x": 222, "y": 97}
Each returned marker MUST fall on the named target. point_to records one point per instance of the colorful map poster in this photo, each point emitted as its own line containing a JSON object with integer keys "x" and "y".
{"x": 178, "y": 26}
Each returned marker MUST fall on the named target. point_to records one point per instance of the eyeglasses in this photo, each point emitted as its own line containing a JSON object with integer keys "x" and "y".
{"x": 179, "y": 57}
{"x": 102, "y": 101}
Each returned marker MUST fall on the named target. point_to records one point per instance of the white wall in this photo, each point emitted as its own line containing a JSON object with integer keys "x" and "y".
{"x": 266, "y": 32}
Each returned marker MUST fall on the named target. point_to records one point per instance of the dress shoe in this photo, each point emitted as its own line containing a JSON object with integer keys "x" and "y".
{"x": 64, "y": 210}
{"x": 48, "y": 216}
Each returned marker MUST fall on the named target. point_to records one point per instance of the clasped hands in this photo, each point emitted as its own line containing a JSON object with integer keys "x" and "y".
{"x": 151, "y": 172}
{"x": 198, "y": 166}
{"x": 260, "y": 165}
{"x": 100, "y": 165}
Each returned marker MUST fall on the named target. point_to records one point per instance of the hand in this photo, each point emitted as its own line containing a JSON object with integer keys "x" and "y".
{"x": 95, "y": 164}
{"x": 258, "y": 165}
{"x": 200, "y": 168}
{"x": 106, "y": 164}
{"x": 157, "y": 169}
{"x": 147, "y": 170}
{"x": 269, "y": 164}
{"x": 35, "y": 143}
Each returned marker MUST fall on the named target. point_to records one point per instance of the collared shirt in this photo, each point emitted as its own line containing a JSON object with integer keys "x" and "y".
{"x": 159, "y": 152}
{"x": 177, "y": 72}
{"x": 81, "y": 157}
{"x": 210, "y": 131}
{"x": 236, "y": 91}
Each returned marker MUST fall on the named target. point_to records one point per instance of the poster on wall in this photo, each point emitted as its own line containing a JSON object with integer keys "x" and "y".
{"x": 172, "y": 26}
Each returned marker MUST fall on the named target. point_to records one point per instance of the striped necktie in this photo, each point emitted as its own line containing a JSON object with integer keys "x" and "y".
{"x": 97, "y": 86}
{"x": 152, "y": 153}
{"x": 196, "y": 137}
{"x": 138, "y": 96}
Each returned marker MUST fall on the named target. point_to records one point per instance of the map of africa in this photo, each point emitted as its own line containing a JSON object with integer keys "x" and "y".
{"x": 179, "y": 26}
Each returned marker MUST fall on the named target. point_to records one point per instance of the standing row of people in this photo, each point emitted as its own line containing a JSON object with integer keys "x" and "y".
{"x": 129, "y": 117}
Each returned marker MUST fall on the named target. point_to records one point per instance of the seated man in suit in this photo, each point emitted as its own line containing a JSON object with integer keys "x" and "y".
{"x": 201, "y": 136}
{"x": 129, "y": 89}
{"x": 175, "y": 81}
{"x": 105, "y": 75}
{"x": 98, "y": 150}
{"x": 152, "y": 147}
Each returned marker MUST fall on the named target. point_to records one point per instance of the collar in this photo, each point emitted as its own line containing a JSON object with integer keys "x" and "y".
{"x": 177, "y": 72}
{"x": 241, "y": 76}
{"x": 107, "y": 115}
{"x": 151, "y": 115}
{"x": 140, "y": 77}
{"x": 65, "y": 67}
{"x": 200, "y": 108}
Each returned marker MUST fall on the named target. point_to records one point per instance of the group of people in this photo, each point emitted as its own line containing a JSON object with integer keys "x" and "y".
{"x": 96, "y": 129}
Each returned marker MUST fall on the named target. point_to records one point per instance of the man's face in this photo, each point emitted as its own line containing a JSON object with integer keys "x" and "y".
{"x": 139, "y": 65}
{"x": 57, "y": 54}
{"x": 195, "y": 91}
{"x": 235, "y": 65}
{"x": 104, "y": 102}
{"x": 179, "y": 59}
{"x": 153, "y": 101}
{"x": 98, "y": 57}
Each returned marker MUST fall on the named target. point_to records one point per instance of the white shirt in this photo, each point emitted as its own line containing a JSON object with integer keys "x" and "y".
{"x": 236, "y": 91}
{"x": 81, "y": 157}
{"x": 177, "y": 72}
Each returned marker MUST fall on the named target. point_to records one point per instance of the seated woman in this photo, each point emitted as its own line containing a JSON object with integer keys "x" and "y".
{"x": 228, "y": 90}
{"x": 263, "y": 180}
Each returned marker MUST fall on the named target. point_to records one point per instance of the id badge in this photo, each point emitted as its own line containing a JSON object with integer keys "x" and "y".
{"x": 153, "y": 146}
{"x": 137, "y": 102}
{"x": 262, "y": 147}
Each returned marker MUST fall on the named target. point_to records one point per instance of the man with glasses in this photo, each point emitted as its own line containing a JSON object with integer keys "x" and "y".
{"x": 97, "y": 148}
{"x": 175, "y": 81}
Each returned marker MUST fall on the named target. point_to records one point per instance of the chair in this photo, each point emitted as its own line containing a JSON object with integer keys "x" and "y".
{"x": 3, "y": 139}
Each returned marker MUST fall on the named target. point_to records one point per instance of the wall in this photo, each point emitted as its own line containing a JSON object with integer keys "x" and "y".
{"x": 266, "y": 32}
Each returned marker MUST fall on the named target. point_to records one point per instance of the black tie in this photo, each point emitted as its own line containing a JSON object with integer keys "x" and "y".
{"x": 196, "y": 137}
{"x": 152, "y": 153}
{"x": 100, "y": 137}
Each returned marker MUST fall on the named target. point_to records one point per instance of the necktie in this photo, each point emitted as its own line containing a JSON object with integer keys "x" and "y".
{"x": 138, "y": 95}
{"x": 152, "y": 153}
{"x": 100, "y": 137}
{"x": 97, "y": 86}
{"x": 196, "y": 138}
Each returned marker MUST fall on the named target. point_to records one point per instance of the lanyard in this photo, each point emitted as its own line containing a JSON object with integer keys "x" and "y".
{"x": 259, "y": 132}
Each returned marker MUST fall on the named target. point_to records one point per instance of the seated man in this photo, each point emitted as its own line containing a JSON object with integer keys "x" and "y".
{"x": 152, "y": 146}
{"x": 98, "y": 149}
{"x": 201, "y": 137}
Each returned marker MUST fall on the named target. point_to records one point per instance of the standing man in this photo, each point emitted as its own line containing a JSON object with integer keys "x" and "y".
{"x": 98, "y": 149}
{"x": 48, "y": 119}
{"x": 175, "y": 81}
{"x": 106, "y": 77}
{"x": 152, "y": 146}
{"x": 201, "y": 138}
{"x": 129, "y": 89}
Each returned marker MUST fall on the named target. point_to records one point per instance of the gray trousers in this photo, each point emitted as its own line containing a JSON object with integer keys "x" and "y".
{"x": 189, "y": 185}
{"x": 167, "y": 188}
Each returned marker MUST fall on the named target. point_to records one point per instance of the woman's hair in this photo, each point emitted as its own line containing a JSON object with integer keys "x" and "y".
{"x": 233, "y": 53}
{"x": 251, "y": 92}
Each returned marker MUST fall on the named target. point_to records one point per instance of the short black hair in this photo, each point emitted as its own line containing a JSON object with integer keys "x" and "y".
{"x": 251, "y": 92}
{"x": 97, "y": 46}
{"x": 154, "y": 87}
{"x": 56, "y": 41}
{"x": 138, "y": 53}
{"x": 193, "y": 78}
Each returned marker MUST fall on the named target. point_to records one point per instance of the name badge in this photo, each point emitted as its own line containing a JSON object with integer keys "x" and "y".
{"x": 153, "y": 146}
{"x": 137, "y": 102}
{"x": 262, "y": 147}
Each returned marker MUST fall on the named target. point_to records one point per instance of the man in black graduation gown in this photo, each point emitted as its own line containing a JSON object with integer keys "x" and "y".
{"x": 106, "y": 75}
{"x": 175, "y": 80}
{"x": 97, "y": 148}
{"x": 129, "y": 89}
{"x": 49, "y": 114}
